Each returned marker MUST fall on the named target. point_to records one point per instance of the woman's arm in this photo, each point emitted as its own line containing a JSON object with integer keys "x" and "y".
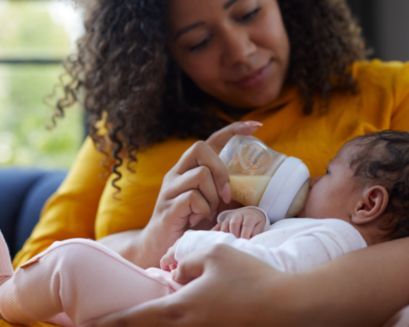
{"x": 229, "y": 288}
{"x": 400, "y": 319}
{"x": 363, "y": 288}
{"x": 191, "y": 193}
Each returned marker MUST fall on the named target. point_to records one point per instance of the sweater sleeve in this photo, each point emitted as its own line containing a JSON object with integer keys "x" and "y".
{"x": 71, "y": 211}
{"x": 400, "y": 115}
{"x": 299, "y": 253}
{"x": 87, "y": 205}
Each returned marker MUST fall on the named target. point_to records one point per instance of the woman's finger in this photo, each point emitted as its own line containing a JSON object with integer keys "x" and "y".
{"x": 189, "y": 269}
{"x": 218, "y": 139}
{"x": 199, "y": 178}
{"x": 201, "y": 154}
{"x": 185, "y": 205}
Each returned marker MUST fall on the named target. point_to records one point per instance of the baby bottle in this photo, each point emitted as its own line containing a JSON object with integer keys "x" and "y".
{"x": 260, "y": 176}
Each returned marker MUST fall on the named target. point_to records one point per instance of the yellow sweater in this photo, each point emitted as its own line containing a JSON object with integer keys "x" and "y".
{"x": 84, "y": 205}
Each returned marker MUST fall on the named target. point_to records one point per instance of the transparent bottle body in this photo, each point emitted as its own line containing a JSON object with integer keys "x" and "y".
{"x": 250, "y": 164}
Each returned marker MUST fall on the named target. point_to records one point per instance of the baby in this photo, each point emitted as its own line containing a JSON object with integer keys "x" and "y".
{"x": 360, "y": 201}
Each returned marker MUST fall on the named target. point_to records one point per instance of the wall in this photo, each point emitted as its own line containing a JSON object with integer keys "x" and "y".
{"x": 385, "y": 26}
{"x": 392, "y": 28}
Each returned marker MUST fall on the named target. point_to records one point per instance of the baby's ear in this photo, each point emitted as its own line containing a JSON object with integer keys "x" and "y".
{"x": 371, "y": 205}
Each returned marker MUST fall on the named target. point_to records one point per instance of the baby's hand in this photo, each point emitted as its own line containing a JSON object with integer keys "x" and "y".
{"x": 244, "y": 222}
{"x": 168, "y": 261}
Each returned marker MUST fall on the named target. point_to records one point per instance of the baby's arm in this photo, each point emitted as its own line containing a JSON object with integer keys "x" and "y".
{"x": 302, "y": 250}
{"x": 244, "y": 222}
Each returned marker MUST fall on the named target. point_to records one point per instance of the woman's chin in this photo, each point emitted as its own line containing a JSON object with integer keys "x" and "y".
{"x": 251, "y": 102}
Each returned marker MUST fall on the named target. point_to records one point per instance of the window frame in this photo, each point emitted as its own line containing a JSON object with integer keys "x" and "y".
{"x": 31, "y": 60}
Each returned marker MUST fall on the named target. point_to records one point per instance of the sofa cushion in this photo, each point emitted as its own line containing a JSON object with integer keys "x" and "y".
{"x": 23, "y": 192}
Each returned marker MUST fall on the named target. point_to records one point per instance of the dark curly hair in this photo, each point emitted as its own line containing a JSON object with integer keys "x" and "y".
{"x": 124, "y": 76}
{"x": 383, "y": 158}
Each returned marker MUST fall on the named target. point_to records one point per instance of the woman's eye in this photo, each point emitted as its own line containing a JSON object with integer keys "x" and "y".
{"x": 327, "y": 172}
{"x": 249, "y": 16}
{"x": 199, "y": 45}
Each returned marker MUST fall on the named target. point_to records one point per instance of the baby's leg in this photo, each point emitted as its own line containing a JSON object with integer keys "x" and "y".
{"x": 80, "y": 277}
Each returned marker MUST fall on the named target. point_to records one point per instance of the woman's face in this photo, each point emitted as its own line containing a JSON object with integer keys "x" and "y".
{"x": 235, "y": 50}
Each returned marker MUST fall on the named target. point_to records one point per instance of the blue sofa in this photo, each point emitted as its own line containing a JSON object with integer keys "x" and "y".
{"x": 23, "y": 192}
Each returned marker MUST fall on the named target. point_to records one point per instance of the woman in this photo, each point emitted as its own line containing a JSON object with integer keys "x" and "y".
{"x": 157, "y": 75}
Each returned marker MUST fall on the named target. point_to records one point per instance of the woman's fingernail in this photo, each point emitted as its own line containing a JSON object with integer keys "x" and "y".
{"x": 225, "y": 193}
{"x": 252, "y": 123}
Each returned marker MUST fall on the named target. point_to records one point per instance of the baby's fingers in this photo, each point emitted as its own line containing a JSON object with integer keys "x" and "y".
{"x": 216, "y": 227}
{"x": 259, "y": 228}
{"x": 248, "y": 228}
{"x": 232, "y": 224}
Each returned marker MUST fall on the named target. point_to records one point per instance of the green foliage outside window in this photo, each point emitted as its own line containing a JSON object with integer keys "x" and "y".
{"x": 29, "y": 30}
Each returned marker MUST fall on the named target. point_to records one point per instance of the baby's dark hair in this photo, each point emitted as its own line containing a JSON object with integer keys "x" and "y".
{"x": 383, "y": 158}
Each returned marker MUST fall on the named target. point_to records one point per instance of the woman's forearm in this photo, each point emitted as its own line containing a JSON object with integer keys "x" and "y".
{"x": 363, "y": 288}
{"x": 131, "y": 245}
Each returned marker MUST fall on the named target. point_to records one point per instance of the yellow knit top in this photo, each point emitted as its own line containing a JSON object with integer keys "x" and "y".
{"x": 84, "y": 205}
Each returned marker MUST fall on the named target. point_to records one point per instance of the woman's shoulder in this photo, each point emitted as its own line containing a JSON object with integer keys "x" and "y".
{"x": 382, "y": 80}
{"x": 378, "y": 71}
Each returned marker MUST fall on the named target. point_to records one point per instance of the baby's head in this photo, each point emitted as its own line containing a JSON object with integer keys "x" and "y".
{"x": 367, "y": 184}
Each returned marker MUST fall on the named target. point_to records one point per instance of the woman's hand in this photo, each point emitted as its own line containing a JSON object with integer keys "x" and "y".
{"x": 191, "y": 192}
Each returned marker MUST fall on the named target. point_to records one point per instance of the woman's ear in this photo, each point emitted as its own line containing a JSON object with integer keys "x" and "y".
{"x": 371, "y": 205}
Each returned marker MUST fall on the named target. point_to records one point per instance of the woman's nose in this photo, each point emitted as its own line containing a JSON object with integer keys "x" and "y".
{"x": 238, "y": 46}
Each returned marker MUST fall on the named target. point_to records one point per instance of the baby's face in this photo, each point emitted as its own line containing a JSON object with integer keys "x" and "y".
{"x": 334, "y": 194}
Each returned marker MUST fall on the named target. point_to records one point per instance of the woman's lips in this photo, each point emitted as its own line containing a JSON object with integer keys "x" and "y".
{"x": 255, "y": 78}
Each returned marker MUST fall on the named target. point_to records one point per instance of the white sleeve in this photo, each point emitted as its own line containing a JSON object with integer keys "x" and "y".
{"x": 193, "y": 241}
{"x": 299, "y": 253}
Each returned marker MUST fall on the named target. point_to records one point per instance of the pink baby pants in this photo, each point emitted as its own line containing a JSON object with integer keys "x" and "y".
{"x": 82, "y": 278}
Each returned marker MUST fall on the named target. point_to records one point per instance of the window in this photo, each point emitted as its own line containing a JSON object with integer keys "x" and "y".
{"x": 34, "y": 38}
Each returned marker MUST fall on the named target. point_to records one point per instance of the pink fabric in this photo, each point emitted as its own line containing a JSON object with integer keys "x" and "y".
{"x": 81, "y": 278}
{"x": 6, "y": 270}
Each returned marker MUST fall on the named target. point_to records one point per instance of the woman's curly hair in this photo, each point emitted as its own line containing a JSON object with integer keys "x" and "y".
{"x": 124, "y": 76}
{"x": 383, "y": 158}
